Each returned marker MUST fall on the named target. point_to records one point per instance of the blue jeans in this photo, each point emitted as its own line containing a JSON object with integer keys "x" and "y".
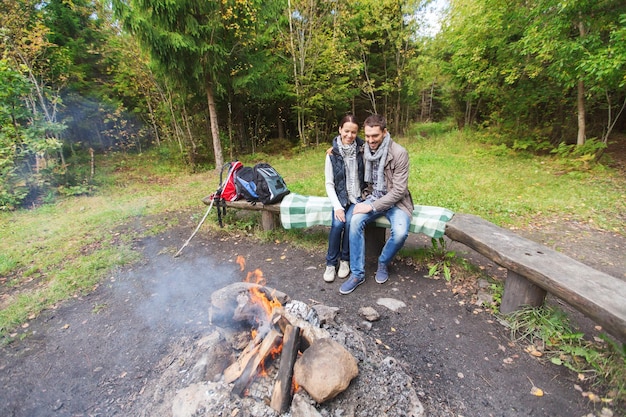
{"x": 400, "y": 222}
{"x": 339, "y": 239}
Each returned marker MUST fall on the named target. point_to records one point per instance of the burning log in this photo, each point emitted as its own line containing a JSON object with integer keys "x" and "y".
{"x": 282, "y": 394}
{"x": 271, "y": 341}
{"x": 235, "y": 370}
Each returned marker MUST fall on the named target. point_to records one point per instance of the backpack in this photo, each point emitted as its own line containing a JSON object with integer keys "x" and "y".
{"x": 228, "y": 189}
{"x": 270, "y": 186}
{"x": 246, "y": 188}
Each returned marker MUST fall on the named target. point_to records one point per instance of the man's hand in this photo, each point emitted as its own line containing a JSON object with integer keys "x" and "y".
{"x": 362, "y": 208}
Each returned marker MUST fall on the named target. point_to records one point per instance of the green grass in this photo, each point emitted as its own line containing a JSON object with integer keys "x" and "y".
{"x": 506, "y": 188}
{"x": 547, "y": 333}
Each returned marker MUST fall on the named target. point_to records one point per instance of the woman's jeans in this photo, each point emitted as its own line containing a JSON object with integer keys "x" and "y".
{"x": 400, "y": 222}
{"x": 339, "y": 239}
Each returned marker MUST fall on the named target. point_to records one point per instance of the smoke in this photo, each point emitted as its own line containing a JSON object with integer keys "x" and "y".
{"x": 171, "y": 296}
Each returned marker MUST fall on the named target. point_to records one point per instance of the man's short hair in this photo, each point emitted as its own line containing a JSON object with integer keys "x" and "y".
{"x": 376, "y": 120}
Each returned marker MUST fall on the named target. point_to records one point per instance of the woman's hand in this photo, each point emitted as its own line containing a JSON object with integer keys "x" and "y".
{"x": 340, "y": 215}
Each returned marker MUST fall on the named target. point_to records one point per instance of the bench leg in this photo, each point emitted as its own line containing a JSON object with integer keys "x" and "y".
{"x": 374, "y": 241}
{"x": 269, "y": 220}
{"x": 518, "y": 292}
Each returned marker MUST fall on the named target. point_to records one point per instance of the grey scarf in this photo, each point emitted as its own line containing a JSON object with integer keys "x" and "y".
{"x": 348, "y": 153}
{"x": 379, "y": 155}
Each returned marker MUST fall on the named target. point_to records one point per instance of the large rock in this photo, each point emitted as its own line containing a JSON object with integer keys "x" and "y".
{"x": 325, "y": 369}
{"x": 225, "y": 301}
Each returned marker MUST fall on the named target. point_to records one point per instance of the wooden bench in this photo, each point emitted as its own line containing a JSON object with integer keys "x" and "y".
{"x": 270, "y": 213}
{"x": 533, "y": 270}
{"x": 270, "y": 219}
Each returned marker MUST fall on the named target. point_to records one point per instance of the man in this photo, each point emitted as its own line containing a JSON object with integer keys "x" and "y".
{"x": 387, "y": 178}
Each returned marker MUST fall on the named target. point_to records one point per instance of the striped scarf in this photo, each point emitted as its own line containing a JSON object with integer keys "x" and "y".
{"x": 379, "y": 156}
{"x": 348, "y": 153}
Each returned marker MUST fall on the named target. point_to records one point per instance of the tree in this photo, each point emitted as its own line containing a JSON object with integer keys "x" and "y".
{"x": 184, "y": 38}
{"x": 30, "y": 132}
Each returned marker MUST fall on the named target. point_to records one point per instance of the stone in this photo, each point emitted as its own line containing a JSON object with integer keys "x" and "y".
{"x": 325, "y": 369}
{"x": 369, "y": 313}
{"x": 216, "y": 357}
{"x": 391, "y": 303}
{"x": 326, "y": 314}
{"x": 300, "y": 407}
{"x": 224, "y": 301}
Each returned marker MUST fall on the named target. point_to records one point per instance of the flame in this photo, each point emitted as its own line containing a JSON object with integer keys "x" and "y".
{"x": 241, "y": 261}
{"x": 256, "y": 277}
{"x": 266, "y": 304}
{"x": 259, "y": 297}
{"x": 272, "y": 354}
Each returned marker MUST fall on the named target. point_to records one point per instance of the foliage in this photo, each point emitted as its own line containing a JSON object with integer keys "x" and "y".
{"x": 535, "y": 69}
{"x": 195, "y": 77}
{"x": 441, "y": 259}
{"x": 550, "y": 335}
{"x": 25, "y": 142}
{"x": 580, "y": 156}
{"x": 496, "y": 290}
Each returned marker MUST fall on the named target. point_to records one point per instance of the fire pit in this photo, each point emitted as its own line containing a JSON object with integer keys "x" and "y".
{"x": 269, "y": 356}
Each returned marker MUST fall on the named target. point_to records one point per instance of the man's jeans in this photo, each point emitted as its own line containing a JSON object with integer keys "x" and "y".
{"x": 339, "y": 239}
{"x": 400, "y": 222}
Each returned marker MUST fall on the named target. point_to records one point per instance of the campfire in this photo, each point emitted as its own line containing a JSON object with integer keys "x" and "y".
{"x": 285, "y": 347}
{"x": 268, "y": 355}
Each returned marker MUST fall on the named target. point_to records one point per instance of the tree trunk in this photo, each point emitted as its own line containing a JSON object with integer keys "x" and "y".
{"x": 296, "y": 79}
{"x": 215, "y": 132}
{"x": 280, "y": 125}
{"x": 580, "y": 100}
{"x": 580, "y": 140}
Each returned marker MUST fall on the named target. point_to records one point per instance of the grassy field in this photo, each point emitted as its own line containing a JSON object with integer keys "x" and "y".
{"x": 56, "y": 251}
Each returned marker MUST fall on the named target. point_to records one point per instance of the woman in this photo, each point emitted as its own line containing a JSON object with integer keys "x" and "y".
{"x": 345, "y": 172}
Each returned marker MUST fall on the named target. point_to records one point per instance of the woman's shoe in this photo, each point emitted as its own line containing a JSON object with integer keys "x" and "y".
{"x": 344, "y": 269}
{"x": 329, "y": 274}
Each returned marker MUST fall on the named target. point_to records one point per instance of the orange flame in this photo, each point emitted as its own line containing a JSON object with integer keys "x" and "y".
{"x": 256, "y": 277}
{"x": 241, "y": 261}
{"x": 272, "y": 354}
{"x": 267, "y": 303}
{"x": 294, "y": 386}
{"x": 259, "y": 297}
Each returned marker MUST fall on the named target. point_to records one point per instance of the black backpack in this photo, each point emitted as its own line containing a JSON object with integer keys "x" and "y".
{"x": 245, "y": 183}
{"x": 270, "y": 186}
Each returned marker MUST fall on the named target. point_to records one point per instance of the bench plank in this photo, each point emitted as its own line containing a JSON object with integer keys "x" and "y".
{"x": 246, "y": 205}
{"x": 600, "y": 296}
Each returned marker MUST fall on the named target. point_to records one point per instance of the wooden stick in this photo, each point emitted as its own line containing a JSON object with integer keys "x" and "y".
{"x": 235, "y": 370}
{"x": 282, "y": 395}
{"x": 272, "y": 339}
{"x": 195, "y": 231}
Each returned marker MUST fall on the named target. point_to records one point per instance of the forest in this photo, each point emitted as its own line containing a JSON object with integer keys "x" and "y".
{"x": 200, "y": 82}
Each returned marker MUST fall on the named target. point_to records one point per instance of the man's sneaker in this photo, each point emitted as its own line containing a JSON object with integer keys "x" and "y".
{"x": 344, "y": 269}
{"x": 351, "y": 284}
{"x": 329, "y": 274}
{"x": 382, "y": 275}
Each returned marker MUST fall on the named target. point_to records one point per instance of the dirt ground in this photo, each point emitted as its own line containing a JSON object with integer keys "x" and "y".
{"x": 96, "y": 355}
